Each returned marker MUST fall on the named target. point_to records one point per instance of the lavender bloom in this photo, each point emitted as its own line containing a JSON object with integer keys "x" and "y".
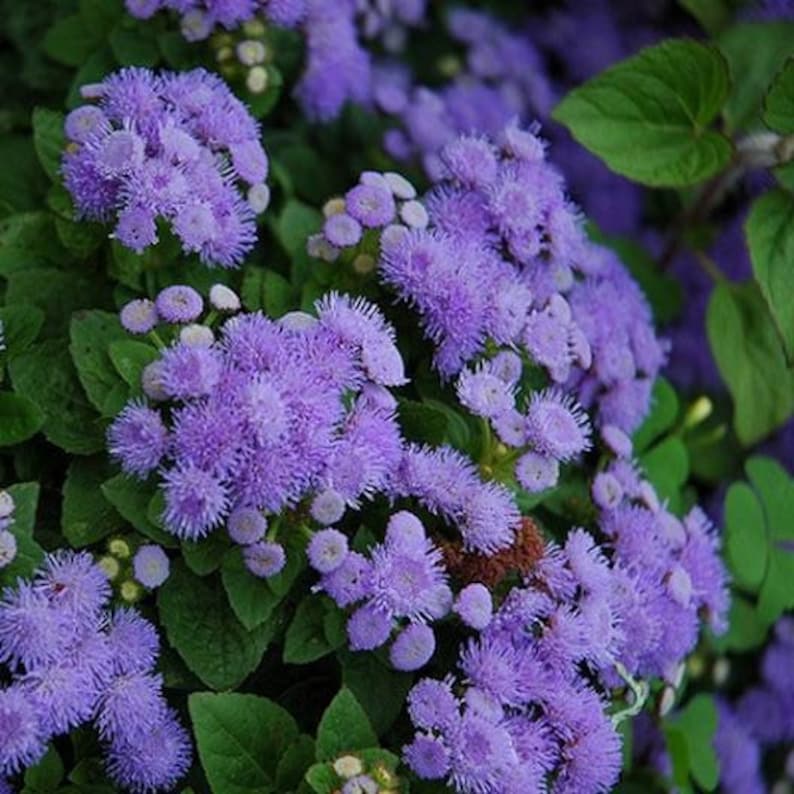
{"x": 151, "y": 566}
{"x": 154, "y": 153}
{"x": 8, "y": 548}
{"x": 271, "y": 413}
{"x": 138, "y": 438}
{"x": 246, "y": 526}
{"x": 447, "y": 483}
{"x": 73, "y": 662}
{"x": 22, "y": 740}
{"x": 264, "y": 559}
{"x": 179, "y": 304}
{"x": 404, "y": 580}
{"x": 474, "y": 606}
{"x": 139, "y": 316}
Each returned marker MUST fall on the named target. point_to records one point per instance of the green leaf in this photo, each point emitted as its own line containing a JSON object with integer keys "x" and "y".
{"x": 205, "y": 556}
{"x": 131, "y": 498}
{"x": 91, "y": 333}
{"x": 46, "y": 775}
{"x": 648, "y": 117}
{"x": 662, "y": 416}
{"x": 750, "y": 359}
{"x": 21, "y": 187}
{"x": 29, "y": 553}
{"x": 697, "y": 723}
{"x": 251, "y": 597}
{"x": 344, "y": 728}
{"x": 203, "y": 629}
{"x": 746, "y": 629}
{"x": 755, "y": 51}
{"x": 770, "y": 237}
{"x": 305, "y": 639}
{"x": 779, "y": 102}
{"x": 49, "y": 140}
{"x": 130, "y": 358}
{"x": 87, "y": 516}
{"x": 297, "y": 758}
{"x": 134, "y": 48}
{"x": 26, "y": 243}
{"x": 296, "y": 222}
{"x": 20, "y": 419}
{"x": 241, "y": 739}
{"x": 713, "y": 15}
{"x": 422, "y": 422}
{"x": 21, "y": 325}
{"x": 381, "y": 691}
{"x": 776, "y": 491}
{"x": 667, "y": 467}
{"x": 278, "y": 294}
{"x": 745, "y": 536}
{"x": 70, "y": 41}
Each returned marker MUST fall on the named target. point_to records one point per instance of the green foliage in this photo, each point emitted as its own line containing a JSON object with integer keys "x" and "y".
{"x": 689, "y": 735}
{"x": 20, "y": 418}
{"x": 770, "y": 238}
{"x": 49, "y": 140}
{"x": 750, "y": 359}
{"x": 779, "y": 102}
{"x": 755, "y": 52}
{"x": 201, "y": 626}
{"x": 306, "y": 640}
{"x": 46, "y": 775}
{"x": 29, "y": 553}
{"x": 132, "y": 498}
{"x": 86, "y": 515}
{"x": 344, "y": 728}
{"x": 648, "y": 117}
{"x": 21, "y": 326}
{"x": 241, "y": 741}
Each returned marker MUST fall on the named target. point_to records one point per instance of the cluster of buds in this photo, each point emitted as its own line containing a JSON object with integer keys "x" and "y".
{"x": 356, "y": 776}
{"x": 134, "y": 568}
{"x": 246, "y": 55}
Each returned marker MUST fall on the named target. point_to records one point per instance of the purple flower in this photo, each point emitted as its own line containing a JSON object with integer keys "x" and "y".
{"x": 557, "y": 426}
{"x": 246, "y": 526}
{"x": 195, "y": 501}
{"x": 151, "y": 566}
{"x": 428, "y": 757}
{"x": 369, "y": 627}
{"x": 264, "y": 558}
{"x": 537, "y": 472}
{"x": 413, "y": 648}
{"x": 474, "y": 606}
{"x": 133, "y": 643}
{"x": 22, "y": 741}
{"x": 152, "y": 761}
{"x": 607, "y": 491}
{"x": 371, "y": 205}
{"x": 327, "y": 550}
{"x": 432, "y": 705}
{"x": 484, "y": 393}
{"x": 342, "y": 230}
{"x": 8, "y": 548}
{"x": 328, "y": 507}
{"x": 188, "y": 371}
{"x": 73, "y": 584}
{"x": 150, "y": 151}
{"x": 139, "y": 316}
{"x": 349, "y": 582}
{"x": 179, "y": 304}
{"x": 138, "y": 438}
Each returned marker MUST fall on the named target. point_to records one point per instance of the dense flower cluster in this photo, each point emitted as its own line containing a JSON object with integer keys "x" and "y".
{"x": 263, "y": 415}
{"x": 669, "y": 569}
{"x": 8, "y": 543}
{"x": 169, "y": 148}
{"x": 401, "y": 579}
{"x": 72, "y": 661}
{"x": 502, "y": 78}
{"x": 494, "y": 258}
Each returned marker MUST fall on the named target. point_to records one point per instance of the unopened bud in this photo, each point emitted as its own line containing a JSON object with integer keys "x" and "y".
{"x": 363, "y": 264}
{"x": 130, "y": 591}
{"x": 257, "y": 80}
{"x": 334, "y": 206}
{"x": 119, "y": 548}
{"x": 110, "y": 567}
{"x": 698, "y": 412}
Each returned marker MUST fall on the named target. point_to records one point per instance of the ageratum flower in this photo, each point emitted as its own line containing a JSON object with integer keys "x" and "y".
{"x": 266, "y": 415}
{"x": 402, "y": 582}
{"x": 167, "y": 147}
{"x": 72, "y": 662}
{"x": 505, "y": 264}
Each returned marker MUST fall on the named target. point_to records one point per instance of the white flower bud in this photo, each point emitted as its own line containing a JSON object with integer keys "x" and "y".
{"x": 223, "y": 298}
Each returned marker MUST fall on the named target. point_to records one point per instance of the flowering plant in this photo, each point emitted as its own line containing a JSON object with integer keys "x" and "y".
{"x": 396, "y": 397}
